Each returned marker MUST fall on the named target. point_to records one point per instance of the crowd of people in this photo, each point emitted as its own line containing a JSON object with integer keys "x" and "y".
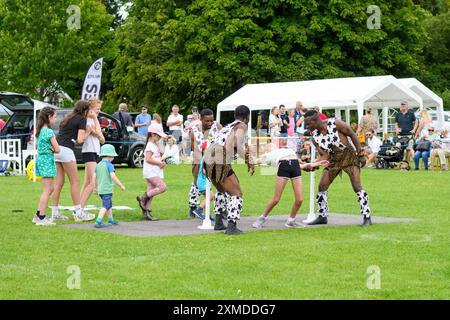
{"x": 213, "y": 149}
{"x": 417, "y": 137}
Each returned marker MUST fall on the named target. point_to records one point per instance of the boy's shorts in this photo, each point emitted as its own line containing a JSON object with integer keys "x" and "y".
{"x": 106, "y": 201}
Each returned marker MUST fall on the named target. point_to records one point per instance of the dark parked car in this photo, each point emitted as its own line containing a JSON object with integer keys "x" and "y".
{"x": 129, "y": 145}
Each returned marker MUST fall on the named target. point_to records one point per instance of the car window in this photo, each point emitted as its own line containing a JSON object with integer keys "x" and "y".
{"x": 106, "y": 122}
{"x": 22, "y": 122}
{"x": 59, "y": 118}
{"x": 110, "y": 127}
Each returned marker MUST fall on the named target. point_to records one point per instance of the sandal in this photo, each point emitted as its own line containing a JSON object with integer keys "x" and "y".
{"x": 148, "y": 215}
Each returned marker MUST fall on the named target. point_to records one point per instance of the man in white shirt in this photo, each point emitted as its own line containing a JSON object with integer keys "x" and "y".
{"x": 175, "y": 124}
{"x": 373, "y": 147}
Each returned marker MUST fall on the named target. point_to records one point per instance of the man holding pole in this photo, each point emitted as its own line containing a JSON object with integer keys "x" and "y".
{"x": 331, "y": 138}
{"x": 230, "y": 141}
{"x": 200, "y": 136}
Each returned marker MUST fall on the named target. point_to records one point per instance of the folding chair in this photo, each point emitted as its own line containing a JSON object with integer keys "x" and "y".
{"x": 11, "y": 151}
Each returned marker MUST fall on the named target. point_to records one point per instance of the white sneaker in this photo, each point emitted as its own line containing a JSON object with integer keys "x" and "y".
{"x": 88, "y": 216}
{"x": 83, "y": 216}
{"x": 60, "y": 216}
{"x": 35, "y": 219}
{"x": 45, "y": 222}
{"x": 259, "y": 222}
{"x": 294, "y": 224}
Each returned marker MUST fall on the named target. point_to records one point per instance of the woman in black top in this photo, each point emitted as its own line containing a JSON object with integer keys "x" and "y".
{"x": 71, "y": 130}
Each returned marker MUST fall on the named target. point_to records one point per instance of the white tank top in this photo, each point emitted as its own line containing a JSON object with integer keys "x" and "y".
{"x": 91, "y": 144}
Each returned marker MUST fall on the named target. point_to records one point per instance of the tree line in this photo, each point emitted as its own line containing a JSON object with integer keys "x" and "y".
{"x": 198, "y": 52}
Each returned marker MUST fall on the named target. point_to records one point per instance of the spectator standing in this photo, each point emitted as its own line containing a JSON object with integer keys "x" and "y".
{"x": 158, "y": 122}
{"x": 175, "y": 124}
{"x": 188, "y": 124}
{"x": 143, "y": 120}
{"x": 45, "y": 162}
{"x": 125, "y": 115}
{"x": 72, "y": 130}
{"x": 274, "y": 125}
{"x": 91, "y": 149}
{"x": 368, "y": 123}
{"x": 319, "y": 111}
{"x": 274, "y": 122}
{"x": 262, "y": 124}
{"x": 299, "y": 119}
{"x": 405, "y": 126}
{"x": 195, "y": 111}
{"x": 291, "y": 131}
{"x": 196, "y": 119}
{"x": 424, "y": 124}
{"x": 284, "y": 122}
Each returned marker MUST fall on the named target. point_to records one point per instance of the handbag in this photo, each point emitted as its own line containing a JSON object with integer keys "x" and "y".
{"x": 423, "y": 146}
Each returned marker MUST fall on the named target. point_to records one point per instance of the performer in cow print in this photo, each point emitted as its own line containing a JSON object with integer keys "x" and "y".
{"x": 331, "y": 138}
{"x": 231, "y": 141}
{"x": 200, "y": 136}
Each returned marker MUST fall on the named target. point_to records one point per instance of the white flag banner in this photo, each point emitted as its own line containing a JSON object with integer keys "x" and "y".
{"x": 93, "y": 81}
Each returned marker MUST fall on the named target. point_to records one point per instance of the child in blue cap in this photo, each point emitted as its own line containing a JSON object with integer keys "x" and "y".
{"x": 105, "y": 177}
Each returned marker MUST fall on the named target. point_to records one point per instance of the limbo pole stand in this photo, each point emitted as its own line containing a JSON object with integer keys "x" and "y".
{"x": 312, "y": 185}
{"x": 206, "y": 225}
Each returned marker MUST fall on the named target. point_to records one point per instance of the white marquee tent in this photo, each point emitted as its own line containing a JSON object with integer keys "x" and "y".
{"x": 430, "y": 99}
{"x": 379, "y": 92}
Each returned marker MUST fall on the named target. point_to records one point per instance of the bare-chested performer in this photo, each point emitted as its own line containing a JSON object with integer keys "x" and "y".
{"x": 199, "y": 137}
{"x": 331, "y": 138}
{"x": 231, "y": 141}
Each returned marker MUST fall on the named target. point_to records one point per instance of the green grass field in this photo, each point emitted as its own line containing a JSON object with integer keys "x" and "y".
{"x": 322, "y": 263}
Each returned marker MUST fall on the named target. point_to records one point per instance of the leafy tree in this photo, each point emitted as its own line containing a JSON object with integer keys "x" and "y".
{"x": 198, "y": 52}
{"x": 43, "y": 51}
{"x": 115, "y": 8}
{"x": 434, "y": 6}
{"x": 436, "y": 56}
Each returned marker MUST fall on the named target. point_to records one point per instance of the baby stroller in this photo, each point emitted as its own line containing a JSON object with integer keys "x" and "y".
{"x": 391, "y": 156}
{"x": 4, "y": 165}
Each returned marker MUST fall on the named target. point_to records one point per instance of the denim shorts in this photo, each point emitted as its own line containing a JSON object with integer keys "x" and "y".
{"x": 106, "y": 201}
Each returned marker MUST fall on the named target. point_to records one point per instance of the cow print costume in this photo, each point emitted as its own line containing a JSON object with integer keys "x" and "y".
{"x": 330, "y": 139}
{"x": 199, "y": 137}
{"x": 224, "y": 202}
{"x": 327, "y": 142}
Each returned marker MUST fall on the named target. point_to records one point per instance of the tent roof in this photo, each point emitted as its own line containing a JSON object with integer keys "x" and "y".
{"x": 38, "y": 105}
{"x": 327, "y": 93}
{"x": 430, "y": 99}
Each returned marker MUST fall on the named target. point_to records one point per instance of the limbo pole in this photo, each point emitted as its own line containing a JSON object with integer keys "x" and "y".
{"x": 206, "y": 225}
{"x": 312, "y": 186}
